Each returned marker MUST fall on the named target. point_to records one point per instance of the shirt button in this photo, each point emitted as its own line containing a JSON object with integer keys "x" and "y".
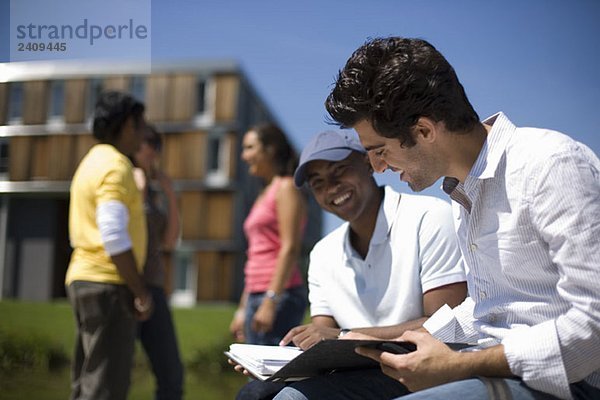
{"x": 473, "y": 247}
{"x": 482, "y": 294}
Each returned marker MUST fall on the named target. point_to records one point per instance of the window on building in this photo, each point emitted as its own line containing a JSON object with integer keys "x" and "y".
{"x": 204, "y": 100}
{"x": 56, "y": 103}
{"x": 200, "y": 96}
{"x": 16, "y": 96}
{"x": 4, "y": 160}
{"x": 184, "y": 279}
{"x": 214, "y": 153}
{"x": 95, "y": 87}
{"x": 217, "y": 158}
{"x": 137, "y": 87}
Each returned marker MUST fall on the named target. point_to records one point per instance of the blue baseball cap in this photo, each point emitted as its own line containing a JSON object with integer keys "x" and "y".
{"x": 328, "y": 146}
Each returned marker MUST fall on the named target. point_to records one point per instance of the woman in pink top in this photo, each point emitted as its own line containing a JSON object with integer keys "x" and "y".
{"x": 274, "y": 298}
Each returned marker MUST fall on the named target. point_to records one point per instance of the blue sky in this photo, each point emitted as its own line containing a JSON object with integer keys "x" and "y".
{"x": 536, "y": 60}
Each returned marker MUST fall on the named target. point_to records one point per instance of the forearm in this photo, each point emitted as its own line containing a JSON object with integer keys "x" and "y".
{"x": 393, "y": 331}
{"x": 127, "y": 267}
{"x": 488, "y": 362}
{"x": 243, "y": 301}
{"x": 434, "y": 363}
{"x": 324, "y": 321}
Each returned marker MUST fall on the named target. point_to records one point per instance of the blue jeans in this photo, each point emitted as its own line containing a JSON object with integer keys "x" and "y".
{"x": 289, "y": 313}
{"x": 469, "y": 389}
{"x": 158, "y": 338}
{"x": 475, "y": 389}
{"x": 259, "y": 390}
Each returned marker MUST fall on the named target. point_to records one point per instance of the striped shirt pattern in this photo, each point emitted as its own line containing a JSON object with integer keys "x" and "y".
{"x": 529, "y": 229}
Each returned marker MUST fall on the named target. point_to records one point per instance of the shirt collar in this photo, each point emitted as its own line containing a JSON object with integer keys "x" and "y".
{"x": 494, "y": 146}
{"x": 487, "y": 161}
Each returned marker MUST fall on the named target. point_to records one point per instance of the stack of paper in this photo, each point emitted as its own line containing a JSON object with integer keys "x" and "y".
{"x": 262, "y": 360}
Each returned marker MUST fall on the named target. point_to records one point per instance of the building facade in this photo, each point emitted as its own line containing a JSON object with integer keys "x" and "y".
{"x": 203, "y": 109}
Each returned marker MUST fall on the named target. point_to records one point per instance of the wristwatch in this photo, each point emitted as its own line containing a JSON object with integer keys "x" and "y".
{"x": 270, "y": 294}
{"x": 343, "y": 332}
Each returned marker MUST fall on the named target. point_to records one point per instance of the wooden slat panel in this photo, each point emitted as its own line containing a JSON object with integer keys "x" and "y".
{"x": 75, "y": 100}
{"x": 193, "y": 145}
{"x": 214, "y": 276}
{"x": 35, "y": 109}
{"x": 226, "y": 275}
{"x": 60, "y": 154}
{"x": 40, "y": 158}
{"x": 207, "y": 276}
{"x": 219, "y": 215}
{"x": 230, "y": 143}
{"x": 120, "y": 83}
{"x": 183, "y": 155}
{"x": 183, "y": 93}
{"x": 226, "y": 97}
{"x": 171, "y": 156}
{"x": 83, "y": 143}
{"x": 193, "y": 215}
{"x": 19, "y": 158}
{"x": 3, "y": 103}
{"x": 158, "y": 98}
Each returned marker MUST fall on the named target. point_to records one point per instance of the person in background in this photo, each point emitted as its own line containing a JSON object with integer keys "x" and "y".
{"x": 527, "y": 215}
{"x": 157, "y": 333}
{"x": 107, "y": 230}
{"x": 393, "y": 263}
{"x": 274, "y": 297}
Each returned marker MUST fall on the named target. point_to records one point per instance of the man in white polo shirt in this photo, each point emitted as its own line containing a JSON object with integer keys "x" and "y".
{"x": 393, "y": 263}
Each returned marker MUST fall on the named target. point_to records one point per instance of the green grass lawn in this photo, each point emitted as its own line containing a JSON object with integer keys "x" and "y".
{"x": 202, "y": 332}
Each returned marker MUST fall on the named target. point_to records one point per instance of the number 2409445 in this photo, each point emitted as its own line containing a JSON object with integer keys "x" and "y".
{"x": 41, "y": 46}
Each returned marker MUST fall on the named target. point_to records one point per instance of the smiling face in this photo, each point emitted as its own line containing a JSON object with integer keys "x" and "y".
{"x": 417, "y": 165}
{"x": 345, "y": 188}
{"x": 255, "y": 155}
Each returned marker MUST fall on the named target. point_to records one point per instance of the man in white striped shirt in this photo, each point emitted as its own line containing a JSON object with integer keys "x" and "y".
{"x": 527, "y": 214}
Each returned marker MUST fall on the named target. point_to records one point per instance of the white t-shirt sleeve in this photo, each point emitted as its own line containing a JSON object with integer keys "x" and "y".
{"x": 112, "y": 218}
{"x": 441, "y": 260}
{"x": 318, "y": 284}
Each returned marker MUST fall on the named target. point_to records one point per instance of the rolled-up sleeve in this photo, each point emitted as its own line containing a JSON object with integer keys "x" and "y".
{"x": 454, "y": 324}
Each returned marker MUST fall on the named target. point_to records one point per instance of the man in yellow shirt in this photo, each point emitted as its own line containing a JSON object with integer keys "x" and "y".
{"x": 107, "y": 229}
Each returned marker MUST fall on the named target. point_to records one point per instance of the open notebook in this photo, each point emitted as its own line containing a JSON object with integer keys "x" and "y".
{"x": 275, "y": 363}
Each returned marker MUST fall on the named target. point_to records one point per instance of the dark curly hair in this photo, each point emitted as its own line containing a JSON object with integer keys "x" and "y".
{"x": 391, "y": 82}
{"x": 112, "y": 110}
{"x": 284, "y": 155}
